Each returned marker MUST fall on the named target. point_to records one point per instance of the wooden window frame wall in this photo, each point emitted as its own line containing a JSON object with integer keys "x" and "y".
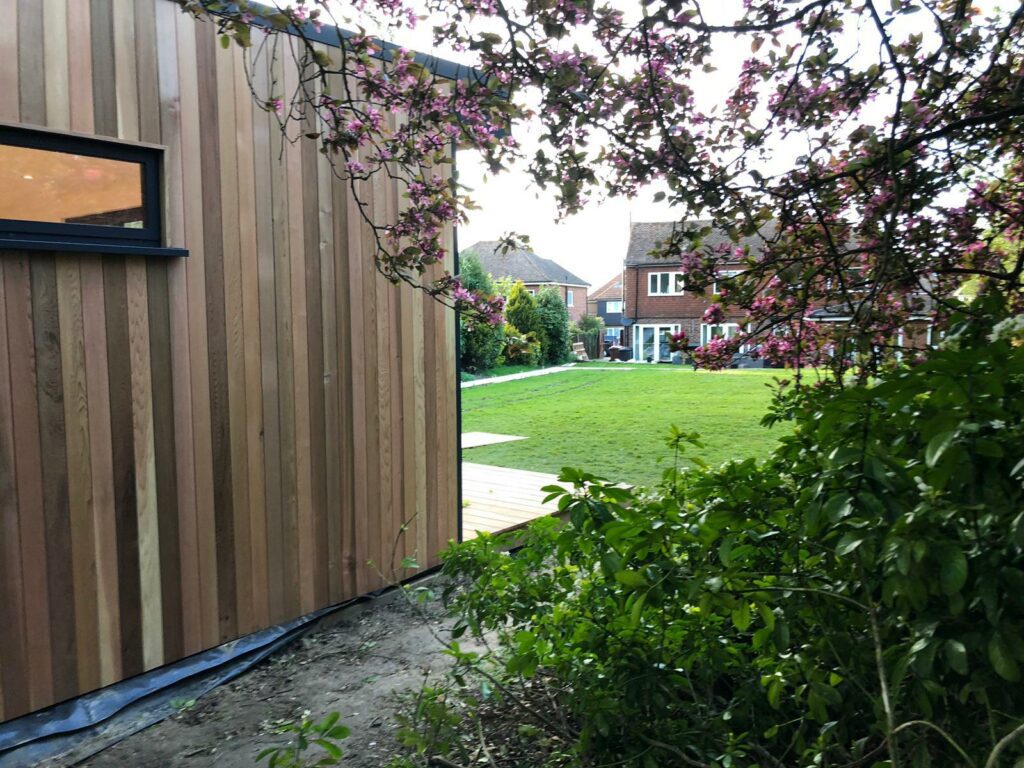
{"x": 19, "y": 234}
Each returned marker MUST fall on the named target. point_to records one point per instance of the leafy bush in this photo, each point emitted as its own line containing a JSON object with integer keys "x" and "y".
{"x": 480, "y": 343}
{"x": 856, "y": 600}
{"x": 319, "y": 737}
{"x": 521, "y": 309}
{"x": 553, "y": 325}
{"x": 520, "y": 348}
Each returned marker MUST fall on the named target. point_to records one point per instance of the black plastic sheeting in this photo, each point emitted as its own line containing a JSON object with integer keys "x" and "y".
{"x": 79, "y": 728}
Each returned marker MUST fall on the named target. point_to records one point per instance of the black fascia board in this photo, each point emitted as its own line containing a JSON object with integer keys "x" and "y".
{"x": 331, "y": 35}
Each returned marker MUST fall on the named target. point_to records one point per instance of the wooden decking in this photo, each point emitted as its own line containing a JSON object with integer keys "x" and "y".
{"x": 497, "y": 498}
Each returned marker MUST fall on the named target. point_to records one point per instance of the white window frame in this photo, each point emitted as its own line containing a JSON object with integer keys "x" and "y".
{"x": 638, "y": 341}
{"x": 706, "y": 333}
{"x": 617, "y": 309}
{"x": 725, "y": 273}
{"x": 673, "y": 286}
{"x": 570, "y": 299}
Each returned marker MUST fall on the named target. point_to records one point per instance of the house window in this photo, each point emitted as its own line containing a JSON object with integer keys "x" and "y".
{"x": 724, "y": 331}
{"x": 71, "y": 193}
{"x": 725, "y": 273}
{"x": 568, "y": 298}
{"x": 651, "y": 343}
{"x": 613, "y": 307}
{"x": 664, "y": 283}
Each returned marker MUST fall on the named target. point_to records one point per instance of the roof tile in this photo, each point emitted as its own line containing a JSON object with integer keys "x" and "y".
{"x": 521, "y": 264}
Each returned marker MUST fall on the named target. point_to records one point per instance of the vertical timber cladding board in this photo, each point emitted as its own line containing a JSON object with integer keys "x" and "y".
{"x": 160, "y": 353}
{"x": 210, "y": 445}
{"x": 251, "y": 329}
{"x": 267, "y": 320}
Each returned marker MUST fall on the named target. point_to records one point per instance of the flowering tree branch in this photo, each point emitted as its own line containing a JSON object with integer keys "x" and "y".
{"x": 867, "y": 161}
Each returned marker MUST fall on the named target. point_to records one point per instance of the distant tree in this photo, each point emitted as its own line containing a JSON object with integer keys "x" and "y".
{"x": 481, "y": 343}
{"x": 472, "y": 274}
{"x": 503, "y": 286}
{"x": 553, "y": 320}
{"x": 521, "y": 309}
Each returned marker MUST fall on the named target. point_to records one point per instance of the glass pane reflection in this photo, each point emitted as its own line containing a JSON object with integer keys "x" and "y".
{"x": 62, "y": 188}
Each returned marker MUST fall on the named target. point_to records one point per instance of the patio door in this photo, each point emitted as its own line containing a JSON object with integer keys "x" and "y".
{"x": 650, "y": 342}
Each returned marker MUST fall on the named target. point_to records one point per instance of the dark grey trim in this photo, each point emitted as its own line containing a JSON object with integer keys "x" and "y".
{"x": 90, "y": 246}
{"x": 458, "y": 370}
{"x": 63, "y": 236}
{"x": 331, "y": 35}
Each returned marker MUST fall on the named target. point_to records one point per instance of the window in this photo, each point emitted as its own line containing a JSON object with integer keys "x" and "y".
{"x": 651, "y": 343}
{"x": 725, "y": 331}
{"x": 568, "y": 297}
{"x": 531, "y": 291}
{"x": 665, "y": 284}
{"x": 725, "y": 273}
{"x": 61, "y": 192}
{"x": 613, "y": 307}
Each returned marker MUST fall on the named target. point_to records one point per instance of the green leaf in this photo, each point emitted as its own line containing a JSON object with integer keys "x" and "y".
{"x": 956, "y": 655}
{"x": 849, "y": 542}
{"x": 954, "y": 571}
{"x": 225, "y": 42}
{"x": 329, "y": 747}
{"x": 937, "y": 446}
{"x": 1002, "y": 660}
{"x": 631, "y": 578}
{"x": 781, "y": 635}
{"x": 638, "y": 607}
{"x": 1017, "y": 530}
{"x": 838, "y": 507}
{"x": 410, "y": 562}
{"x": 741, "y": 616}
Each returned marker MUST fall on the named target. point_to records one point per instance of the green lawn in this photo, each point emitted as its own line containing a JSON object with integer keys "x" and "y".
{"x": 613, "y": 422}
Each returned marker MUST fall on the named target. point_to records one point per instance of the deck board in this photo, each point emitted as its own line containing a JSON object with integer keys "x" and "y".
{"x": 497, "y": 498}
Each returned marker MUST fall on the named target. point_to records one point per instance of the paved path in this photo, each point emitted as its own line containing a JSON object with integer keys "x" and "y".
{"x": 496, "y": 498}
{"x": 544, "y": 372}
{"x": 515, "y": 376}
{"x": 478, "y": 439}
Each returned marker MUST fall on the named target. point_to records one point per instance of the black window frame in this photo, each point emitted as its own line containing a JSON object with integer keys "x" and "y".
{"x": 92, "y": 238}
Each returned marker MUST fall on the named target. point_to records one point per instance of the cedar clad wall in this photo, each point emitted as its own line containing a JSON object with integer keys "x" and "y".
{"x": 192, "y": 449}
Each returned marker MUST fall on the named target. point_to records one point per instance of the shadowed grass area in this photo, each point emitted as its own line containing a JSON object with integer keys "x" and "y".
{"x": 614, "y": 422}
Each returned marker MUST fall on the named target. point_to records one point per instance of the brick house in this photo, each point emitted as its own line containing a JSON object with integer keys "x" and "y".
{"x": 657, "y": 301}
{"x": 606, "y": 303}
{"x": 534, "y": 271}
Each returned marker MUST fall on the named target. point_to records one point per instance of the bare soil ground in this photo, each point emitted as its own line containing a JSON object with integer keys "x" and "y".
{"x": 358, "y": 667}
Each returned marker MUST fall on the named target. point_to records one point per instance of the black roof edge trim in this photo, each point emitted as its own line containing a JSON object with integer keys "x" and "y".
{"x": 330, "y": 34}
